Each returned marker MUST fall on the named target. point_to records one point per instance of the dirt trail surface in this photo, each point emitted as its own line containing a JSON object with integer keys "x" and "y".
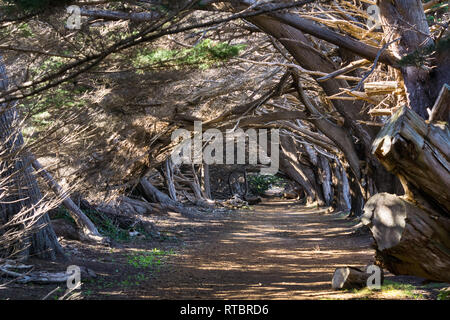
{"x": 277, "y": 250}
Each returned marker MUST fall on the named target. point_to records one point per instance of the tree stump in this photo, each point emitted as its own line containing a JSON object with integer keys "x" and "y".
{"x": 349, "y": 278}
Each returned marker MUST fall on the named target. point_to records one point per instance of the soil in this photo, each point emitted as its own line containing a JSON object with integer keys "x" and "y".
{"x": 275, "y": 250}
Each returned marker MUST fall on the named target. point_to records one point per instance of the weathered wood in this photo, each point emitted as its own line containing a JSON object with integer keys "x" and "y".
{"x": 168, "y": 174}
{"x": 380, "y": 87}
{"x": 42, "y": 277}
{"x": 418, "y": 153}
{"x": 349, "y": 278}
{"x": 289, "y": 164}
{"x": 342, "y": 194}
{"x": 127, "y": 206}
{"x": 325, "y": 179}
{"x": 397, "y": 17}
{"x": 441, "y": 108}
{"x": 206, "y": 180}
{"x": 411, "y": 239}
{"x": 152, "y": 193}
{"x": 348, "y": 68}
{"x": 87, "y": 230}
{"x": 32, "y": 236}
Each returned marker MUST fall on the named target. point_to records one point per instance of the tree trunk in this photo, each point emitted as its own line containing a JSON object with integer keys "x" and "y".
{"x": 306, "y": 56}
{"x": 206, "y": 180}
{"x": 168, "y": 174}
{"x": 411, "y": 239}
{"x": 412, "y": 233}
{"x": 289, "y": 164}
{"x": 422, "y": 84}
{"x": 342, "y": 194}
{"x": 35, "y": 238}
{"x": 86, "y": 229}
{"x": 325, "y": 178}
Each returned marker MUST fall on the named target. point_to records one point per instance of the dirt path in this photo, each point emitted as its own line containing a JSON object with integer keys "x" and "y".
{"x": 278, "y": 251}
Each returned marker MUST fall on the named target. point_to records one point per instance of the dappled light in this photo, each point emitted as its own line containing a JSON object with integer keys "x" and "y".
{"x": 231, "y": 149}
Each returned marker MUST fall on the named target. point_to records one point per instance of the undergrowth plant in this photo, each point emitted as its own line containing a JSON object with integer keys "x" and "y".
{"x": 204, "y": 55}
{"x": 146, "y": 259}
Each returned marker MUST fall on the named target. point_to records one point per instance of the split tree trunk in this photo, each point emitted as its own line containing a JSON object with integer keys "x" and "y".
{"x": 412, "y": 233}
{"x": 342, "y": 194}
{"x": 419, "y": 154}
{"x": 410, "y": 239}
{"x": 325, "y": 179}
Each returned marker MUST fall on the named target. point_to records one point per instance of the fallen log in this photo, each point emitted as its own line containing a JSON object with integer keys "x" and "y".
{"x": 412, "y": 232}
{"x": 86, "y": 229}
{"x": 125, "y": 213}
{"x": 351, "y": 278}
{"x": 410, "y": 239}
{"x": 41, "y": 277}
{"x": 152, "y": 193}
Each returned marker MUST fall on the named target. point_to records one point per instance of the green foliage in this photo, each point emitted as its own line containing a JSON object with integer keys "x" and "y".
{"x": 204, "y": 55}
{"x": 408, "y": 289}
{"x": 420, "y": 56}
{"x": 260, "y": 183}
{"x": 145, "y": 259}
{"x": 32, "y": 5}
{"x": 443, "y": 295}
{"x": 107, "y": 227}
{"x": 438, "y": 10}
{"x": 62, "y": 213}
{"x": 50, "y": 65}
{"x": 25, "y": 30}
{"x": 389, "y": 289}
{"x": 54, "y": 100}
{"x": 104, "y": 224}
{"x": 129, "y": 281}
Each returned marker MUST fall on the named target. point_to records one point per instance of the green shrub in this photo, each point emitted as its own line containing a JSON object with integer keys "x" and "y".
{"x": 204, "y": 55}
{"x": 145, "y": 259}
{"x": 258, "y": 184}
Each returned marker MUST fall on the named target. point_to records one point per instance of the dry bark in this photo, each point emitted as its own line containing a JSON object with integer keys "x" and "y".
{"x": 418, "y": 153}
{"x": 410, "y": 239}
{"x": 37, "y": 239}
{"x": 412, "y": 233}
{"x": 441, "y": 108}
{"x": 352, "y": 278}
{"x": 349, "y": 278}
{"x": 422, "y": 84}
{"x": 289, "y": 164}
